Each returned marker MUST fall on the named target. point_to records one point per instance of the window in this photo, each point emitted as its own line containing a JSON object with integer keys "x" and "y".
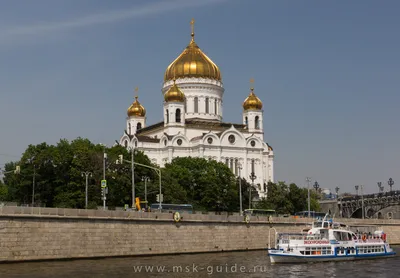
{"x": 126, "y": 144}
{"x": 209, "y": 140}
{"x": 167, "y": 116}
{"x": 215, "y": 107}
{"x": 246, "y": 121}
{"x": 207, "y": 105}
{"x": 257, "y": 122}
{"x": 139, "y": 126}
{"x": 253, "y": 143}
{"x": 179, "y": 142}
{"x": 135, "y": 144}
{"x": 252, "y": 166}
{"x": 165, "y": 142}
{"x": 185, "y": 103}
{"x": 178, "y": 115}
{"x": 196, "y": 105}
{"x": 227, "y": 162}
{"x": 129, "y": 128}
{"x": 231, "y": 139}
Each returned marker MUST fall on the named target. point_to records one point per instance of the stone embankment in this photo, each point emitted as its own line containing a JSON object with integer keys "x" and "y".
{"x": 51, "y": 233}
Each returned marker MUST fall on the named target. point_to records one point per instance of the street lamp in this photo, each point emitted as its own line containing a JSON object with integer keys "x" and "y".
{"x": 87, "y": 175}
{"x": 380, "y": 186}
{"x": 356, "y": 187}
{"x": 239, "y": 166}
{"x": 337, "y": 198}
{"x": 390, "y": 183}
{"x": 316, "y": 186}
{"x": 133, "y": 177}
{"x": 104, "y": 189}
{"x": 32, "y": 161}
{"x": 308, "y": 180}
{"x": 252, "y": 178}
{"x": 145, "y": 179}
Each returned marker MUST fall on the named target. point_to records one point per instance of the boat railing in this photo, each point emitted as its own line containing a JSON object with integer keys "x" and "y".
{"x": 299, "y": 236}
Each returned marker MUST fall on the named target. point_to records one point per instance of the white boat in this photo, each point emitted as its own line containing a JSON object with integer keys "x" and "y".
{"x": 329, "y": 241}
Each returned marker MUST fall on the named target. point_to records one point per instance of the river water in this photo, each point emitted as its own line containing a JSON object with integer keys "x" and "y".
{"x": 227, "y": 264}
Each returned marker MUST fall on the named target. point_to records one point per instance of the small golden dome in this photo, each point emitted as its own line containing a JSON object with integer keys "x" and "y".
{"x": 136, "y": 109}
{"x": 192, "y": 63}
{"x": 252, "y": 102}
{"x": 174, "y": 94}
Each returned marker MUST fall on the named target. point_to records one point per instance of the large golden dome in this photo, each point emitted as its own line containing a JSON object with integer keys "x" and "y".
{"x": 174, "y": 94}
{"x": 252, "y": 102}
{"x": 136, "y": 109}
{"x": 192, "y": 63}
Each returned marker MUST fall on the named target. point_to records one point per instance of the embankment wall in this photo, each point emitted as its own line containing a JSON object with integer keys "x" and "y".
{"x": 51, "y": 233}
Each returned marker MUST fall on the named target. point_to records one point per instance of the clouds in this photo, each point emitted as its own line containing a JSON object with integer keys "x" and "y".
{"x": 7, "y": 33}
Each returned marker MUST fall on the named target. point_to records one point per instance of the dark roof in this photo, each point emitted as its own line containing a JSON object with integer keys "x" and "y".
{"x": 150, "y": 127}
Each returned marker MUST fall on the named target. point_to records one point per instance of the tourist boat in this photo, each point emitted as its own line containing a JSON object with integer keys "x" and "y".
{"x": 328, "y": 241}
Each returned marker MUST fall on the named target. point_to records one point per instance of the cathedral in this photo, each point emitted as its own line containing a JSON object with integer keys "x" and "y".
{"x": 193, "y": 126}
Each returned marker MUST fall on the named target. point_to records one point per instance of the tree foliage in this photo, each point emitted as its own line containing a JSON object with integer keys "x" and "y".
{"x": 288, "y": 199}
{"x": 58, "y": 174}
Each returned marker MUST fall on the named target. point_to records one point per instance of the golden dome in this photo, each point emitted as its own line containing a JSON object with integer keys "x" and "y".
{"x": 192, "y": 63}
{"x": 136, "y": 109}
{"x": 252, "y": 102}
{"x": 174, "y": 94}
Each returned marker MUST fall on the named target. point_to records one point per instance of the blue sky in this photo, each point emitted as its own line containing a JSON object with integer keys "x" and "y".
{"x": 328, "y": 73}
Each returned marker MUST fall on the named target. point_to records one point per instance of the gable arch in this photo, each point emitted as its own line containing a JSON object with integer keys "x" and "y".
{"x": 239, "y": 140}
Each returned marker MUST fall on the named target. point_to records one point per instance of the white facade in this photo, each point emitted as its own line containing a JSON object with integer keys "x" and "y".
{"x": 200, "y": 132}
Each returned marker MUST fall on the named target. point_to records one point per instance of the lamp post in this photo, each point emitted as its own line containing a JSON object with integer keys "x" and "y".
{"x": 252, "y": 178}
{"x": 240, "y": 189}
{"x": 356, "y": 187}
{"x": 337, "y": 198}
{"x": 308, "y": 180}
{"x": 390, "y": 183}
{"x": 86, "y": 175}
{"x": 133, "y": 177}
{"x": 316, "y": 186}
{"x": 104, "y": 189}
{"x": 379, "y": 186}
{"x": 145, "y": 179}
{"x": 362, "y": 200}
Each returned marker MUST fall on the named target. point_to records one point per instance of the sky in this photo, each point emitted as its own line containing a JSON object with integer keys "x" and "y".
{"x": 328, "y": 73}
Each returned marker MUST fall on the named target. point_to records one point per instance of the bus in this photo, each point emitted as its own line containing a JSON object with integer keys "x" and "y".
{"x": 313, "y": 214}
{"x": 171, "y": 208}
{"x": 260, "y": 212}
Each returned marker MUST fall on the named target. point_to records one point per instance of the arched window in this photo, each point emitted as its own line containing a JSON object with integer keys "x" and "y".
{"x": 129, "y": 129}
{"x": 257, "y": 122}
{"x": 184, "y": 105}
{"x": 252, "y": 166}
{"x": 236, "y": 167}
{"x": 207, "y": 105}
{"x": 167, "y": 116}
{"x": 126, "y": 144}
{"x": 231, "y": 164}
{"x": 178, "y": 115}
{"x": 196, "y": 105}
{"x": 139, "y": 126}
{"x": 216, "y": 107}
{"x": 246, "y": 121}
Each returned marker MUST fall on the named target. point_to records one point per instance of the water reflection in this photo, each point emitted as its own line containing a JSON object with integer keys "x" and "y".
{"x": 237, "y": 264}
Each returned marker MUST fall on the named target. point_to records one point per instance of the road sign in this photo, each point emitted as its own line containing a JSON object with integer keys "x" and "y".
{"x": 103, "y": 183}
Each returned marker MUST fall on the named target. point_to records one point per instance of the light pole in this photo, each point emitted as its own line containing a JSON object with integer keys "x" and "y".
{"x": 362, "y": 200}
{"x": 380, "y": 186}
{"x": 390, "y": 183}
{"x": 133, "y": 177}
{"x": 104, "y": 189}
{"x": 240, "y": 189}
{"x": 308, "y": 180}
{"x": 33, "y": 185}
{"x": 356, "y": 187}
{"x": 252, "y": 178}
{"x": 87, "y": 175}
{"x": 145, "y": 179}
{"x": 337, "y": 198}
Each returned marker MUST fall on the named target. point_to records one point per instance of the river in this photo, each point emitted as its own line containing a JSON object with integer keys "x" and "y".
{"x": 227, "y": 264}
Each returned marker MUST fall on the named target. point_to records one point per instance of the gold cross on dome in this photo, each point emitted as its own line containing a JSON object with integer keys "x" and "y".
{"x": 136, "y": 92}
{"x": 192, "y": 24}
{"x": 251, "y": 83}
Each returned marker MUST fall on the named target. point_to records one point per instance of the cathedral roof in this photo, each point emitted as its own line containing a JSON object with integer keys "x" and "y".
{"x": 252, "y": 102}
{"x": 174, "y": 94}
{"x": 192, "y": 62}
{"x": 136, "y": 109}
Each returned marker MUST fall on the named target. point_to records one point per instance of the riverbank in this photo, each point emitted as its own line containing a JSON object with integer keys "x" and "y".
{"x": 51, "y": 233}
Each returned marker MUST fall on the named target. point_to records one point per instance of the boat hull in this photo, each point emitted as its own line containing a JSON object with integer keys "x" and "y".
{"x": 292, "y": 258}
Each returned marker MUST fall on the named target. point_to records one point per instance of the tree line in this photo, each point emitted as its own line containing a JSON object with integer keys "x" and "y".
{"x": 57, "y": 172}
